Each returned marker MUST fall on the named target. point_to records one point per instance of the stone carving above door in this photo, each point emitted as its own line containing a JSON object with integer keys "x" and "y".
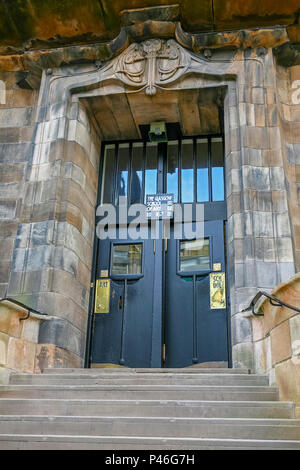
{"x": 151, "y": 64}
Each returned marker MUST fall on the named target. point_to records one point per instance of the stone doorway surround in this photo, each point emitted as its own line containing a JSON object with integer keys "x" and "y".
{"x": 52, "y": 261}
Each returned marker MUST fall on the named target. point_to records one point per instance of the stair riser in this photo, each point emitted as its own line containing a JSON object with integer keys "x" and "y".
{"x": 162, "y": 371}
{"x": 148, "y": 429}
{"x": 247, "y": 380}
{"x": 179, "y": 409}
{"x": 160, "y": 444}
{"x": 142, "y": 395}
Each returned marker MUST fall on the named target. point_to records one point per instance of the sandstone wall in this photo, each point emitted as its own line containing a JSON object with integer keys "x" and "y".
{"x": 276, "y": 338}
{"x": 18, "y": 340}
{"x": 17, "y": 117}
{"x": 288, "y": 84}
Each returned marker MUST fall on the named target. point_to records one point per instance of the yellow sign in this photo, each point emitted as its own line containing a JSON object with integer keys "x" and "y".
{"x": 104, "y": 273}
{"x": 217, "y": 290}
{"x": 102, "y": 296}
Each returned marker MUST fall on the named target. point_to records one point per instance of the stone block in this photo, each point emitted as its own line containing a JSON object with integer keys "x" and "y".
{"x": 63, "y": 307}
{"x": 15, "y": 326}
{"x": 50, "y": 356}
{"x": 274, "y": 138}
{"x": 256, "y": 178}
{"x": 272, "y": 115}
{"x": 84, "y": 275}
{"x": 262, "y": 224}
{"x": 242, "y": 356}
{"x": 10, "y": 173}
{"x": 285, "y": 249}
{"x": 258, "y": 95}
{"x": 258, "y": 328}
{"x": 288, "y": 380}
{"x": 267, "y": 274}
{"x": 65, "y": 284}
{"x": 64, "y": 335}
{"x": 252, "y": 157}
{"x": 6, "y": 249}
{"x": 260, "y": 115}
{"x": 4, "y": 338}
{"x": 286, "y": 271}
{"x": 8, "y": 209}
{"x": 241, "y": 329}
{"x": 20, "y": 152}
{"x": 282, "y": 224}
{"x": 66, "y": 260}
{"x": 281, "y": 343}
{"x": 30, "y": 330}
{"x": 15, "y": 354}
{"x": 277, "y": 178}
{"x": 4, "y": 374}
{"x": 29, "y": 356}
{"x": 279, "y": 201}
{"x": 260, "y": 357}
{"x": 4, "y": 271}
{"x": 295, "y": 334}
{"x": 257, "y": 137}
{"x": 16, "y": 117}
{"x": 264, "y": 249}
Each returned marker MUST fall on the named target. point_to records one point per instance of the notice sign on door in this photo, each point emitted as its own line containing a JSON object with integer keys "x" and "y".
{"x": 160, "y": 206}
{"x": 102, "y": 296}
{"x": 217, "y": 290}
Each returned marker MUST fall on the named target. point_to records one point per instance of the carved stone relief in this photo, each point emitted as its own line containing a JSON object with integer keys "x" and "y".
{"x": 151, "y": 64}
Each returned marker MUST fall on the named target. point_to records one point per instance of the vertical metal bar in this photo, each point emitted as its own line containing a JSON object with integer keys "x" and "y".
{"x": 129, "y": 174}
{"x": 115, "y": 188}
{"x": 195, "y": 352}
{"x": 195, "y": 169}
{"x": 143, "y": 172}
{"x": 209, "y": 169}
{"x": 123, "y": 330}
{"x": 179, "y": 170}
{"x": 91, "y": 316}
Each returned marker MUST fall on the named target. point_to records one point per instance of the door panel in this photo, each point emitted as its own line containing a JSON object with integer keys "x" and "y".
{"x": 194, "y": 332}
{"x": 124, "y": 335}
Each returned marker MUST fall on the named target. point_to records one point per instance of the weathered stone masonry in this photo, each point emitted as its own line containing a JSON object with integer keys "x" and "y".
{"x": 50, "y": 150}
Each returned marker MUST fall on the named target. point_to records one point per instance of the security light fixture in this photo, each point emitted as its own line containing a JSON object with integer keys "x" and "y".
{"x": 158, "y": 132}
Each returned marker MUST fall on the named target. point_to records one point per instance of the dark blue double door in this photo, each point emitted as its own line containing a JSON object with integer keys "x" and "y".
{"x": 161, "y": 311}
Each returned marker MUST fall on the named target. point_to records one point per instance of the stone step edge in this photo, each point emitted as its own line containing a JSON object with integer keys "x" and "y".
{"x": 116, "y": 370}
{"x": 130, "y": 375}
{"x": 143, "y": 387}
{"x": 138, "y": 401}
{"x": 291, "y": 422}
{"x": 29, "y": 438}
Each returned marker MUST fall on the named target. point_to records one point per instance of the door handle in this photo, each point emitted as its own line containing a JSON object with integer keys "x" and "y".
{"x": 120, "y": 302}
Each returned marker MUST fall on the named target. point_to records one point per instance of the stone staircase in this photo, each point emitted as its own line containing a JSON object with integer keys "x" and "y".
{"x": 136, "y": 409}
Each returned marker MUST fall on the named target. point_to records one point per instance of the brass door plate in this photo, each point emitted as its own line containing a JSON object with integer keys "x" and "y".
{"x": 102, "y": 297}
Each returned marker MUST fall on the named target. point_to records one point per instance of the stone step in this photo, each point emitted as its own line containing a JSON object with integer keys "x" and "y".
{"x": 50, "y": 442}
{"x": 114, "y": 370}
{"x": 143, "y": 392}
{"x": 139, "y": 379}
{"x": 148, "y": 408}
{"x": 287, "y": 429}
